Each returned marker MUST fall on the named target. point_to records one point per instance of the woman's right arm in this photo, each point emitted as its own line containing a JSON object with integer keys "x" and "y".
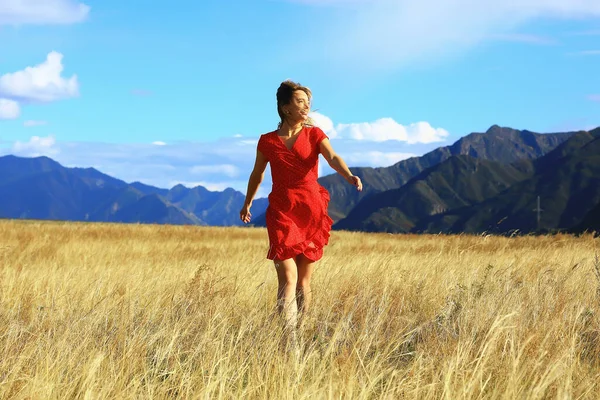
{"x": 256, "y": 178}
{"x": 337, "y": 163}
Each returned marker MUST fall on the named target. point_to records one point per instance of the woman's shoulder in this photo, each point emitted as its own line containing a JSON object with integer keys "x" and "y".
{"x": 265, "y": 142}
{"x": 314, "y": 130}
{"x": 270, "y": 133}
{"x": 267, "y": 135}
{"x": 316, "y": 133}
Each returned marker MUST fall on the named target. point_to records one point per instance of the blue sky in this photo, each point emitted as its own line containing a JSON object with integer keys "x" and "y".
{"x": 168, "y": 94}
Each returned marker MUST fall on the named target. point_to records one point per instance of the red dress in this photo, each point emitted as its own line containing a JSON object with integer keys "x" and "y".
{"x": 297, "y": 219}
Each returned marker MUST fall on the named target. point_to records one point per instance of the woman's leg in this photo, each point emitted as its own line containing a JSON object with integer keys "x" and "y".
{"x": 287, "y": 275}
{"x": 303, "y": 291}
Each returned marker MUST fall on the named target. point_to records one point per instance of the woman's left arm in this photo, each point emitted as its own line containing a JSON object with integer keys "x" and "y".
{"x": 337, "y": 163}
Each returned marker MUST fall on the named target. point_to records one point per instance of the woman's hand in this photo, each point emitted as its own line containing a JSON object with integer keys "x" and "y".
{"x": 245, "y": 214}
{"x": 355, "y": 181}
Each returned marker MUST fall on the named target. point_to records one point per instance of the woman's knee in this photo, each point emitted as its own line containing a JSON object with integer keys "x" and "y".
{"x": 289, "y": 279}
{"x": 303, "y": 284}
{"x": 287, "y": 272}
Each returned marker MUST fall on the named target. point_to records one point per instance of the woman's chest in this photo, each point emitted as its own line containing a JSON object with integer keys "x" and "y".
{"x": 299, "y": 146}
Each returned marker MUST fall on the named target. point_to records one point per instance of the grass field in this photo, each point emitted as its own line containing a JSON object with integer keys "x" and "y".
{"x": 116, "y": 311}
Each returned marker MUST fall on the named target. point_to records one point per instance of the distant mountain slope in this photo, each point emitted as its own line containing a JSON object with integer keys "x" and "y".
{"x": 153, "y": 208}
{"x": 215, "y": 208}
{"x": 51, "y": 194}
{"x": 13, "y": 168}
{"x": 591, "y": 221}
{"x": 567, "y": 181}
{"x": 41, "y": 188}
{"x": 459, "y": 181}
{"x": 94, "y": 178}
{"x": 148, "y": 189}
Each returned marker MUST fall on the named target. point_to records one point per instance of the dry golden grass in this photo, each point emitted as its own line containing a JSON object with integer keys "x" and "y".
{"x": 149, "y": 311}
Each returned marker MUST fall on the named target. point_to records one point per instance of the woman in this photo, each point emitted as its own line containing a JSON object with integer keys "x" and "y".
{"x": 297, "y": 221}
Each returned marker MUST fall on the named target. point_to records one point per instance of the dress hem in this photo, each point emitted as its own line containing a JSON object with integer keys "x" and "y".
{"x": 319, "y": 239}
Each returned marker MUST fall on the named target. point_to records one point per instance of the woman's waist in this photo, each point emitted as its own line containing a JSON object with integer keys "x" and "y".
{"x": 292, "y": 183}
{"x": 285, "y": 190}
{"x": 295, "y": 184}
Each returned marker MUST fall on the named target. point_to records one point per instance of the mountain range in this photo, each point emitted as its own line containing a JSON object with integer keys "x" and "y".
{"x": 473, "y": 195}
{"x": 41, "y": 188}
{"x": 484, "y": 182}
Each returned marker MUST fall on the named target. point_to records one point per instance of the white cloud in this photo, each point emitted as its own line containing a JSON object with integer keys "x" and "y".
{"x": 323, "y": 122}
{"x": 41, "y": 83}
{"x": 36, "y": 146}
{"x": 423, "y": 132}
{"x": 225, "y": 169}
{"x": 387, "y": 129}
{"x": 159, "y": 143}
{"x": 17, "y": 12}
{"x": 31, "y": 123}
{"x": 395, "y": 33}
{"x": 9, "y": 109}
{"x": 380, "y": 130}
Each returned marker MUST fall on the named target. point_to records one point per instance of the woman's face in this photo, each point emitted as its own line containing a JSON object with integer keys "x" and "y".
{"x": 297, "y": 110}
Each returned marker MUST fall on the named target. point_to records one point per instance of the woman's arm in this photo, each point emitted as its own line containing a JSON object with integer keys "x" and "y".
{"x": 337, "y": 163}
{"x": 256, "y": 178}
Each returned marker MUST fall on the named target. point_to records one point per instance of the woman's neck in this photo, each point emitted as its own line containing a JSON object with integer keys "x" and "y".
{"x": 288, "y": 129}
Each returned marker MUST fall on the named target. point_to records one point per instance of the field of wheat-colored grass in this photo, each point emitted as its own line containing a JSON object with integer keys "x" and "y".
{"x": 148, "y": 311}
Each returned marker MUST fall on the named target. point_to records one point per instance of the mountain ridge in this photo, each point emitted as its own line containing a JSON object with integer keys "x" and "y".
{"x": 567, "y": 179}
{"x": 41, "y": 188}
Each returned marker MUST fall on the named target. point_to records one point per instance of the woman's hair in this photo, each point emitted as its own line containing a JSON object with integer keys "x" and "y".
{"x": 285, "y": 93}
